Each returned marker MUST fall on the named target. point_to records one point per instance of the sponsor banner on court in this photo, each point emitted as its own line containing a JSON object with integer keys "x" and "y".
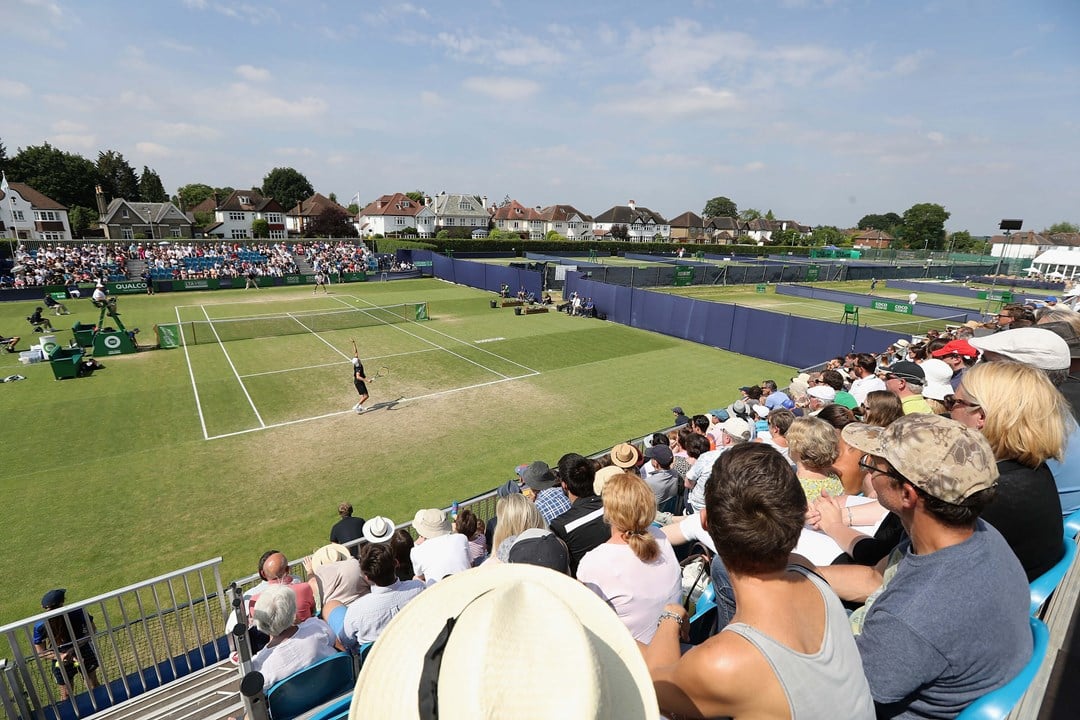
{"x": 355, "y": 277}
{"x": 890, "y": 306}
{"x": 168, "y": 335}
{"x": 421, "y": 311}
{"x": 204, "y": 284}
{"x": 299, "y": 279}
{"x": 128, "y": 287}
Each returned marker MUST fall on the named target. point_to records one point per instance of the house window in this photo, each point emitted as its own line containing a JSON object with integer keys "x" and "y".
{"x": 273, "y": 218}
{"x": 44, "y": 215}
{"x": 175, "y": 232}
{"x": 17, "y": 215}
{"x": 239, "y": 234}
{"x": 127, "y": 233}
{"x": 236, "y": 217}
{"x": 465, "y": 206}
{"x": 52, "y": 236}
{"x": 244, "y": 200}
{"x": 399, "y": 221}
{"x": 125, "y": 214}
{"x": 277, "y": 234}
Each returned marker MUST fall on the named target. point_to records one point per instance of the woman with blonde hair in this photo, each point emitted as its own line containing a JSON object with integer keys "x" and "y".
{"x": 1025, "y": 419}
{"x": 813, "y": 445}
{"x": 514, "y": 514}
{"x": 635, "y": 571}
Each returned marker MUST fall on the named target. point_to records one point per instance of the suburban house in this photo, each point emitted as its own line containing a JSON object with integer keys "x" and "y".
{"x": 305, "y": 212}
{"x": 688, "y": 227}
{"x": 877, "y": 239}
{"x": 127, "y": 220}
{"x": 568, "y": 221}
{"x": 642, "y": 224}
{"x": 724, "y": 229}
{"x": 26, "y": 214}
{"x": 397, "y": 213}
{"x": 454, "y": 210}
{"x": 514, "y": 217}
{"x": 233, "y": 218}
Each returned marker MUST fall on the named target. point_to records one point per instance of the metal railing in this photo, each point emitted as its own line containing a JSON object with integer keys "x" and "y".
{"x": 140, "y": 636}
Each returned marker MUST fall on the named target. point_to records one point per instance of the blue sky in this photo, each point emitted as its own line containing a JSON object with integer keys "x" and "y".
{"x": 821, "y": 110}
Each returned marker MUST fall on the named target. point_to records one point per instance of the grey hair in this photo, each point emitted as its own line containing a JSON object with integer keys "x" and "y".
{"x": 275, "y": 610}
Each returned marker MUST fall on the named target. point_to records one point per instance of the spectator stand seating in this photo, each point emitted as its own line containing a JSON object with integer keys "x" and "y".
{"x": 703, "y": 621}
{"x": 1044, "y": 585}
{"x": 1072, "y": 525}
{"x": 312, "y": 689}
{"x": 997, "y": 704}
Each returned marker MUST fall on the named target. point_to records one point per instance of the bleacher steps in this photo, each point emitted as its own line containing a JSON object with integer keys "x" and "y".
{"x": 208, "y": 694}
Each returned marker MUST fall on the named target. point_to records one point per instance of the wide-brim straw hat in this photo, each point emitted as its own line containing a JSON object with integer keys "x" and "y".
{"x": 378, "y": 529}
{"x": 490, "y": 666}
{"x": 331, "y": 553}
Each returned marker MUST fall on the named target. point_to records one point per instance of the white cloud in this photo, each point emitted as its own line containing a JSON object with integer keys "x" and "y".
{"x": 908, "y": 64}
{"x": 502, "y": 88}
{"x": 252, "y": 73}
{"x": 74, "y": 140}
{"x": 524, "y": 50}
{"x": 754, "y": 166}
{"x": 245, "y": 101}
{"x": 302, "y": 152}
{"x": 429, "y": 98}
{"x": 936, "y": 138}
{"x": 187, "y": 130}
{"x": 13, "y": 88}
{"x": 153, "y": 150}
{"x": 196, "y": 4}
{"x": 67, "y": 126}
{"x": 675, "y": 101}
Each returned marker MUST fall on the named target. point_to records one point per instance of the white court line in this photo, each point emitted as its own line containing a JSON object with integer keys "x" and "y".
{"x": 334, "y": 364}
{"x": 191, "y": 374}
{"x": 237, "y": 374}
{"x": 346, "y": 412}
{"x": 447, "y": 350}
{"x": 458, "y": 340}
{"x": 328, "y": 343}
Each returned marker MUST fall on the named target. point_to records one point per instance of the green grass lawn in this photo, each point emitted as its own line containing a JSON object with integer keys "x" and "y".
{"x": 109, "y": 480}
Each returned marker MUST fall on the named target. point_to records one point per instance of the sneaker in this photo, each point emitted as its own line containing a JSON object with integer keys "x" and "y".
{"x": 359, "y": 409}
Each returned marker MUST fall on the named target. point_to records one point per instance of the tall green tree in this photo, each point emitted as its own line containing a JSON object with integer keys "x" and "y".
{"x": 415, "y": 195}
{"x": 749, "y": 214}
{"x": 192, "y": 194}
{"x": 3, "y": 155}
{"x": 260, "y": 228}
{"x": 287, "y": 186}
{"x": 331, "y": 222}
{"x": 888, "y": 222}
{"x": 826, "y": 235}
{"x": 81, "y": 219}
{"x": 66, "y": 177}
{"x": 117, "y": 177}
{"x": 1058, "y": 227}
{"x": 150, "y": 187}
{"x": 720, "y": 206}
{"x": 923, "y": 226}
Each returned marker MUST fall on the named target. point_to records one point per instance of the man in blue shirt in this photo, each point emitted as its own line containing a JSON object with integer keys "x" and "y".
{"x": 67, "y": 640}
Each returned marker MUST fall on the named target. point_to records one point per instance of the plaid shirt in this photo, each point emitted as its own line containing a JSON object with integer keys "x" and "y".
{"x": 552, "y": 503}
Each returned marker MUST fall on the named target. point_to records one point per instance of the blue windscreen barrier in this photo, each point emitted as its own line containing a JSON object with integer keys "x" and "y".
{"x": 935, "y": 287}
{"x": 839, "y": 296}
{"x": 581, "y": 261}
{"x": 1024, "y": 283}
{"x": 482, "y": 276}
{"x": 443, "y": 267}
{"x": 671, "y": 259}
{"x": 785, "y": 339}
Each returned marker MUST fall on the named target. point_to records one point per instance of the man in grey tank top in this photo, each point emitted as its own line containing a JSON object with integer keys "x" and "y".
{"x": 789, "y": 651}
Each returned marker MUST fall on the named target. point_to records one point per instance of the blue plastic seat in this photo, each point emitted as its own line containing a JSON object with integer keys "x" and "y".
{"x": 997, "y": 704}
{"x": 703, "y": 621}
{"x": 337, "y": 710}
{"x": 1072, "y": 526}
{"x": 303, "y": 691}
{"x": 1045, "y": 584}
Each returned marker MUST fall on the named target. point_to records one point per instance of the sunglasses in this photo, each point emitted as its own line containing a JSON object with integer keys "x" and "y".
{"x": 951, "y": 401}
{"x": 868, "y": 467}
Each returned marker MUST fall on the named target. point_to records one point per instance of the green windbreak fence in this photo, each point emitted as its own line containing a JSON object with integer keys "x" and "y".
{"x": 197, "y": 332}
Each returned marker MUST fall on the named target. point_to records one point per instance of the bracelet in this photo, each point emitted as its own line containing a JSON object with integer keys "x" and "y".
{"x": 850, "y": 521}
{"x": 668, "y": 615}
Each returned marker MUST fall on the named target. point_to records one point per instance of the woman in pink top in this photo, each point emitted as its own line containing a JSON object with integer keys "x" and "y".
{"x": 635, "y": 571}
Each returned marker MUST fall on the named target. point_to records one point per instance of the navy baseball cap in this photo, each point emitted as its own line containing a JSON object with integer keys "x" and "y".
{"x": 53, "y": 598}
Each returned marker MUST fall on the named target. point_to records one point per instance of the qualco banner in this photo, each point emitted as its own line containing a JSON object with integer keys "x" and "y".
{"x": 126, "y": 288}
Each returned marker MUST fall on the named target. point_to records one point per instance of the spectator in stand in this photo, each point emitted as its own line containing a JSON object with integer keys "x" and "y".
{"x": 938, "y": 385}
{"x": 846, "y": 465}
{"x": 835, "y": 380}
{"x": 1024, "y": 418}
{"x": 881, "y": 408}
{"x": 439, "y": 551}
{"x": 865, "y": 381}
{"x": 661, "y": 480}
{"x": 773, "y": 398}
{"x": 470, "y": 526}
{"x": 401, "y": 542}
{"x": 924, "y": 641}
{"x": 626, "y": 456}
{"x": 795, "y": 656}
{"x": 542, "y": 487}
{"x": 583, "y": 526}
{"x": 734, "y": 431}
{"x": 814, "y": 448}
{"x": 958, "y": 355}
{"x": 515, "y": 514}
{"x": 275, "y": 571}
{"x": 635, "y": 571}
{"x": 365, "y": 619}
{"x": 348, "y": 528}
{"x": 905, "y": 380}
{"x": 67, "y": 640}
{"x": 294, "y": 644}
{"x": 818, "y": 396}
{"x": 779, "y": 423}
{"x": 335, "y": 580}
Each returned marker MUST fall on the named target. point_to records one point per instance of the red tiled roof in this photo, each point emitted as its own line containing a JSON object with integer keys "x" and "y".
{"x": 36, "y": 199}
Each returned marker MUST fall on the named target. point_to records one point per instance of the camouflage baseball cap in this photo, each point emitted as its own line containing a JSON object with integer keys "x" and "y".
{"x": 939, "y": 456}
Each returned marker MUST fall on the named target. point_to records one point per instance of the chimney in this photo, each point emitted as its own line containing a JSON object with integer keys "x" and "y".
{"x": 427, "y": 201}
{"x": 632, "y": 205}
{"x": 100, "y": 195}
{"x": 483, "y": 202}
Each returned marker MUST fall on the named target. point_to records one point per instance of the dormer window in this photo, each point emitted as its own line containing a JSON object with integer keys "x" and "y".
{"x": 245, "y": 200}
{"x": 125, "y": 214}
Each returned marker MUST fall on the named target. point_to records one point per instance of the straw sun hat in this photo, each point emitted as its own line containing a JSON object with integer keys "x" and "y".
{"x": 490, "y": 663}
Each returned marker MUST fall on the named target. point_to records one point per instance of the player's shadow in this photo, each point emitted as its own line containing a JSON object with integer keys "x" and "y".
{"x": 388, "y": 405}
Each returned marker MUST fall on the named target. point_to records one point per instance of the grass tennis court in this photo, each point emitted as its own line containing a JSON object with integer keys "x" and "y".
{"x": 112, "y": 479}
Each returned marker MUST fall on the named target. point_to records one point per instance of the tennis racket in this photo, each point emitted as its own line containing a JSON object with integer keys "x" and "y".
{"x": 380, "y": 373}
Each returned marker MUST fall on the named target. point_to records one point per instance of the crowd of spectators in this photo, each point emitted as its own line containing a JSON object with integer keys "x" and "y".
{"x": 219, "y": 259}
{"x": 336, "y": 258}
{"x": 66, "y": 264}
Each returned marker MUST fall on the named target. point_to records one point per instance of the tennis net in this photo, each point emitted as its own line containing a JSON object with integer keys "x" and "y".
{"x": 197, "y": 332}
{"x": 920, "y": 326}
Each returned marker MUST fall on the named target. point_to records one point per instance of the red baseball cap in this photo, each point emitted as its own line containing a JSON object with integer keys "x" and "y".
{"x": 956, "y": 347}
